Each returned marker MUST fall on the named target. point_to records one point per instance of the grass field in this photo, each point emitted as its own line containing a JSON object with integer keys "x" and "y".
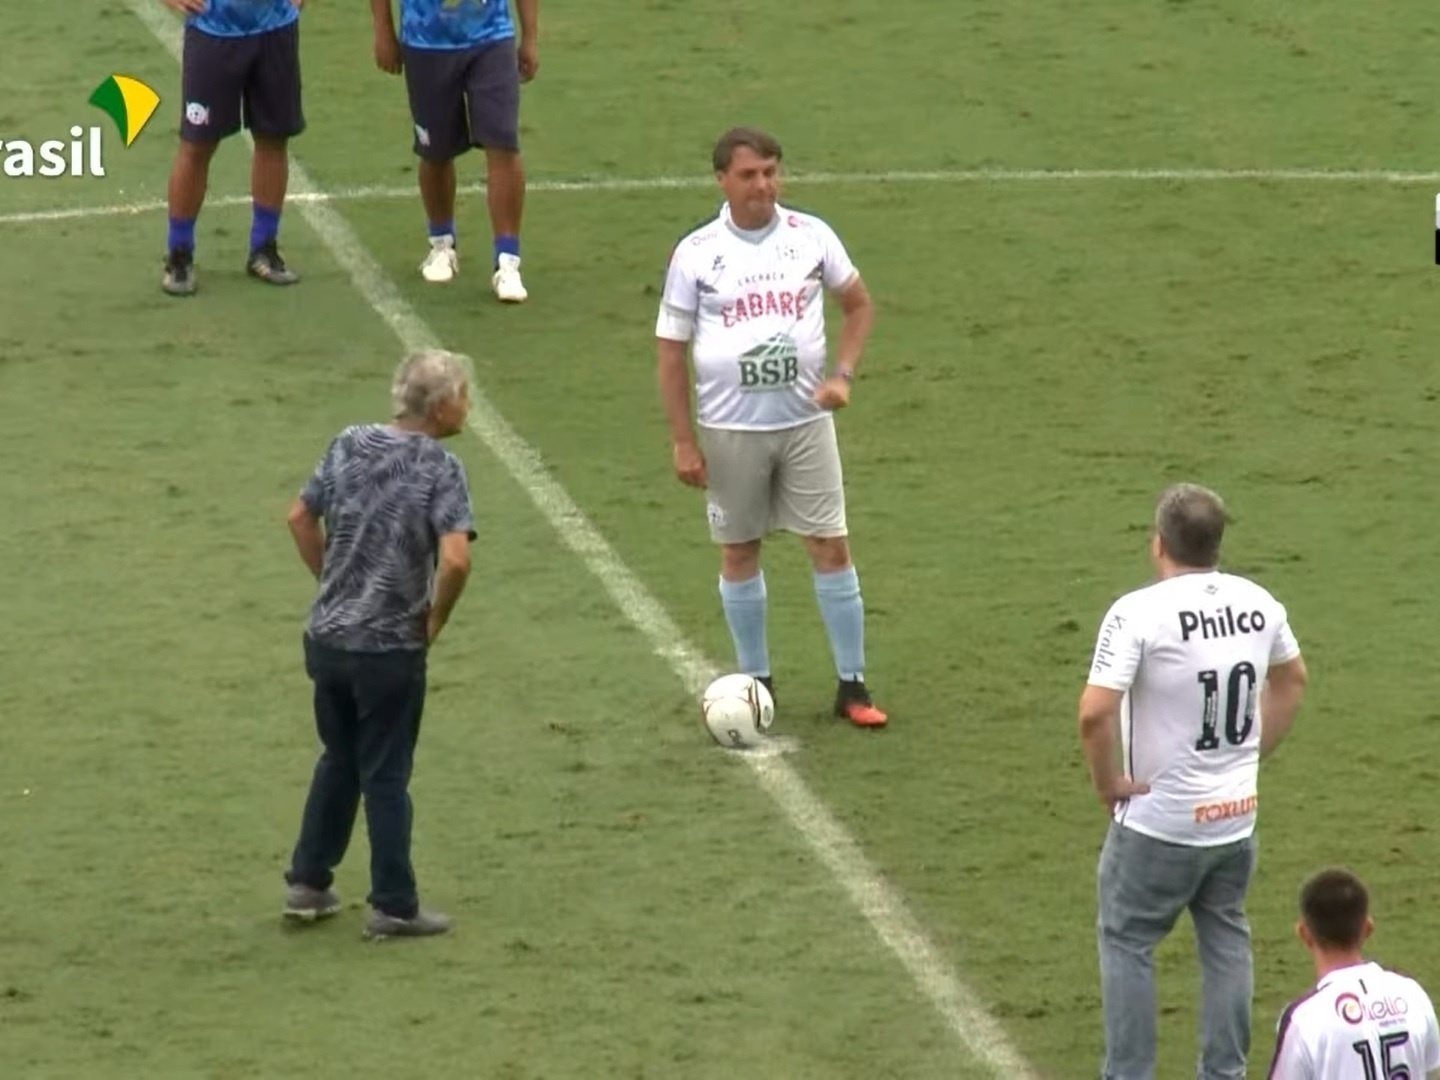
{"x": 1051, "y": 351}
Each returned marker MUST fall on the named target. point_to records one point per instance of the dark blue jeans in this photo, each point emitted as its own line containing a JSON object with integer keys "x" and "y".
{"x": 367, "y": 713}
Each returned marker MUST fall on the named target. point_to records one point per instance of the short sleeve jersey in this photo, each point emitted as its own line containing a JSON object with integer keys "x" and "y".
{"x": 753, "y": 306}
{"x": 1191, "y": 654}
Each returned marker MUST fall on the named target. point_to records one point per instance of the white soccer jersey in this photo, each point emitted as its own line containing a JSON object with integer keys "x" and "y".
{"x": 754, "y": 306}
{"x": 1191, "y": 654}
{"x": 1359, "y": 1023}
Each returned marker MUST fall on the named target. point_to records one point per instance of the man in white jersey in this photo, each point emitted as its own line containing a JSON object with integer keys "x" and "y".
{"x": 745, "y": 293}
{"x": 1361, "y": 1022}
{"x": 1202, "y": 676}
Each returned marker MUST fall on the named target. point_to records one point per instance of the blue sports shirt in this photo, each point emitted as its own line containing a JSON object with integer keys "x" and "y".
{"x": 454, "y": 24}
{"x": 244, "y": 18}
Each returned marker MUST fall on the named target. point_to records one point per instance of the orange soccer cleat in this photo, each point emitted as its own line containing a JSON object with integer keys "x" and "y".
{"x": 853, "y": 703}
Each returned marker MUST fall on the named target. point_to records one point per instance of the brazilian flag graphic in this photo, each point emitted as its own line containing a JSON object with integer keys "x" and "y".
{"x": 127, "y": 101}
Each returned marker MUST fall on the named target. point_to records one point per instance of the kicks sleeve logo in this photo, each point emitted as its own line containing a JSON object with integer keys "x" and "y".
{"x": 125, "y": 99}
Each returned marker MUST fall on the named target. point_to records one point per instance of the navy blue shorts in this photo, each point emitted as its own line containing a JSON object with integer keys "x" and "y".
{"x": 227, "y": 81}
{"x": 461, "y": 98}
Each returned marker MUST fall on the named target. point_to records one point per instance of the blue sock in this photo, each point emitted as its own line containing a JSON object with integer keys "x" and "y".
{"x": 264, "y": 226}
{"x": 506, "y": 245}
{"x": 844, "y": 615}
{"x": 442, "y": 228}
{"x": 744, "y": 603}
{"x": 182, "y": 233}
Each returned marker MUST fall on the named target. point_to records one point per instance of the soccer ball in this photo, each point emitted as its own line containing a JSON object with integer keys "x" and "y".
{"x": 738, "y": 711}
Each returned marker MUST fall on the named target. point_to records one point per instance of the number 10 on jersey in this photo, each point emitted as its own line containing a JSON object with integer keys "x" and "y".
{"x": 1240, "y": 701}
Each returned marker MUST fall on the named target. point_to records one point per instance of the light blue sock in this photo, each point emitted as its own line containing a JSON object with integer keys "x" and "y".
{"x": 844, "y": 615}
{"x": 744, "y": 603}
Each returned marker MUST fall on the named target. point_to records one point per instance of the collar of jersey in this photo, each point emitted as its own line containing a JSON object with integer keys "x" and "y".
{"x": 753, "y": 236}
{"x": 1340, "y": 971}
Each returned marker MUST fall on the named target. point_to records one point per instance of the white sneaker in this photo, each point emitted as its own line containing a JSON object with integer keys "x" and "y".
{"x": 443, "y": 262}
{"x": 506, "y": 282}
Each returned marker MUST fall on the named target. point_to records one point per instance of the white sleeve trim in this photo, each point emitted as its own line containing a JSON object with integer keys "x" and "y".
{"x": 673, "y": 325}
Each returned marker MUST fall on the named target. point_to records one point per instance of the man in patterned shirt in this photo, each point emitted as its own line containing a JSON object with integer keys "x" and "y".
{"x": 385, "y": 525}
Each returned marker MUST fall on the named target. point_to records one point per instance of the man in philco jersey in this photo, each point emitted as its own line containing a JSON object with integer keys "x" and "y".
{"x": 1202, "y": 676}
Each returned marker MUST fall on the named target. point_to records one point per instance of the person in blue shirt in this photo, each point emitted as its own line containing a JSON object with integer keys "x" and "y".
{"x": 463, "y": 70}
{"x": 241, "y": 65}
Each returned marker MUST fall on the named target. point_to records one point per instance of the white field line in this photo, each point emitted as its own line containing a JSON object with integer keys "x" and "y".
{"x": 866, "y": 887}
{"x": 677, "y": 183}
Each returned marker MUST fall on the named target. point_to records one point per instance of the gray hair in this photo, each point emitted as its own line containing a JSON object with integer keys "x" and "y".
{"x": 1191, "y": 522}
{"x": 426, "y": 379}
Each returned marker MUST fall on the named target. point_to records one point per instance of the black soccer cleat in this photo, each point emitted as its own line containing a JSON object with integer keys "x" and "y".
{"x": 179, "y": 279}
{"x": 266, "y": 263}
{"x": 767, "y": 681}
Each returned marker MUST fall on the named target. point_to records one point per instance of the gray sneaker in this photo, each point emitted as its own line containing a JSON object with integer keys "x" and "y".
{"x": 422, "y": 924}
{"x": 304, "y": 904}
{"x": 267, "y": 264}
{"x": 179, "y": 279}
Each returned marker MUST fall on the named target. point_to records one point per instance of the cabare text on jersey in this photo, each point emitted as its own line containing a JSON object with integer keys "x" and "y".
{"x": 757, "y": 305}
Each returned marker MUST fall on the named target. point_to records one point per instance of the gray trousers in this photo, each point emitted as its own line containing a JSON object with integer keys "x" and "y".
{"x": 1144, "y": 886}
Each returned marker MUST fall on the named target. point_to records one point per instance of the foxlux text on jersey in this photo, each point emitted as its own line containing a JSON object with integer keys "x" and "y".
{"x": 1224, "y": 623}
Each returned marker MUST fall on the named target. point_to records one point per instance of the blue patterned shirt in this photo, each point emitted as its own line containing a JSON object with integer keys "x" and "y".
{"x": 386, "y": 497}
{"x": 454, "y": 24}
{"x": 244, "y": 18}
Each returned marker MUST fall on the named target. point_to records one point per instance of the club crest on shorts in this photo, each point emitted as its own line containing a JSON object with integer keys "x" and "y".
{"x": 715, "y": 513}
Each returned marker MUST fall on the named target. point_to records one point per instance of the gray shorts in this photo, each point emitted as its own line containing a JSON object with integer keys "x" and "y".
{"x": 762, "y": 481}
{"x": 461, "y": 98}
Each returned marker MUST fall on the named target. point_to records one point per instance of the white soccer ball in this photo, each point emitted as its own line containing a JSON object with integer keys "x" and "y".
{"x": 738, "y": 711}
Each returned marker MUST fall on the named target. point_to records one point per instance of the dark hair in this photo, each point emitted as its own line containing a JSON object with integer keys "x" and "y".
{"x": 1191, "y": 521}
{"x": 1334, "y": 905}
{"x": 764, "y": 144}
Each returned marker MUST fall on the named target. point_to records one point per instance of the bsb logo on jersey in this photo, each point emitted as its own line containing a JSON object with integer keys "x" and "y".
{"x": 774, "y": 364}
